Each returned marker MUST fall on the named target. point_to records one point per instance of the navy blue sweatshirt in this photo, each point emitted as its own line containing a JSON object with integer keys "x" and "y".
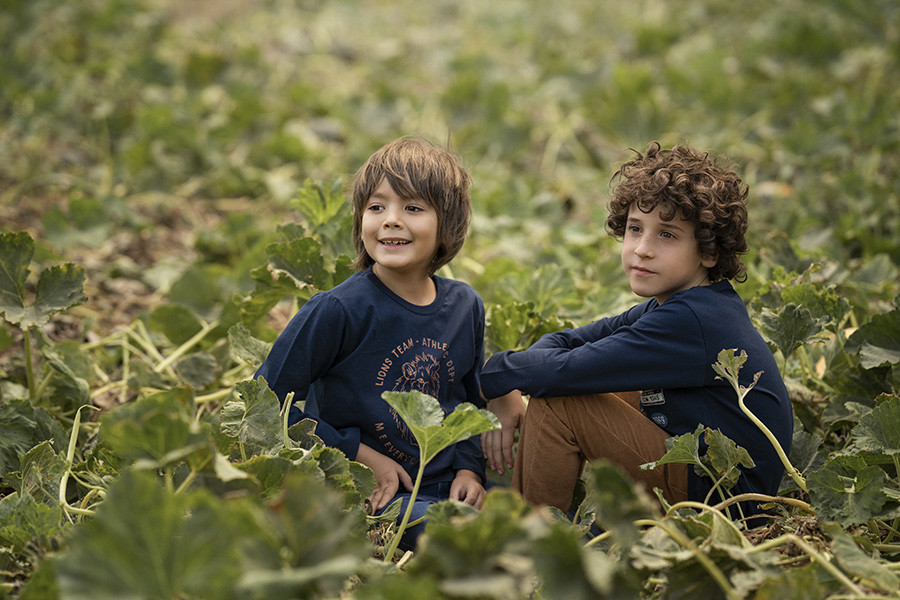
{"x": 347, "y": 346}
{"x": 668, "y": 349}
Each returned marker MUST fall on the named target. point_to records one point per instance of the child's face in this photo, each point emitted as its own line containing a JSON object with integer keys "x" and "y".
{"x": 400, "y": 235}
{"x": 662, "y": 257}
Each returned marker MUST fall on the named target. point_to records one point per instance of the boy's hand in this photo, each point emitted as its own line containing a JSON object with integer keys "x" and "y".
{"x": 466, "y": 487}
{"x": 497, "y": 445}
{"x": 388, "y": 476}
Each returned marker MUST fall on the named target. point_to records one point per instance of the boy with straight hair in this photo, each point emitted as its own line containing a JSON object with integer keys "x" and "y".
{"x": 619, "y": 387}
{"x": 393, "y": 326}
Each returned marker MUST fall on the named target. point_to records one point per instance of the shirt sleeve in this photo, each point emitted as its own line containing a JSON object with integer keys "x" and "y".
{"x": 468, "y": 454}
{"x": 291, "y": 366}
{"x": 653, "y": 347}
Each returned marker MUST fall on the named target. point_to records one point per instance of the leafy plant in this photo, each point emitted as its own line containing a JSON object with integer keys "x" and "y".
{"x": 433, "y": 432}
{"x": 58, "y": 288}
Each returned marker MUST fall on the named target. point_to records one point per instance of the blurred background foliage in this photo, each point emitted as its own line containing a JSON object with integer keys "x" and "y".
{"x": 119, "y": 114}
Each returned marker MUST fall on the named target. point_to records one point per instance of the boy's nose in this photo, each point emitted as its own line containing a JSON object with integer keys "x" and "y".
{"x": 643, "y": 248}
{"x": 391, "y": 219}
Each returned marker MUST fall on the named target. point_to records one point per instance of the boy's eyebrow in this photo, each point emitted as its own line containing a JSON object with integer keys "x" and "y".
{"x": 672, "y": 224}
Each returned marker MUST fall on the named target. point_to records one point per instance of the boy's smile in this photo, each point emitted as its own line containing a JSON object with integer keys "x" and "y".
{"x": 399, "y": 234}
{"x": 662, "y": 257}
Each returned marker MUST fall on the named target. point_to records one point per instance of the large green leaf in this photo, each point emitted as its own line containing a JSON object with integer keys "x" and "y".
{"x": 145, "y": 542}
{"x": 684, "y": 448}
{"x": 847, "y": 491}
{"x": 157, "y": 430}
{"x": 434, "y": 432}
{"x": 16, "y": 251}
{"x": 616, "y": 501}
{"x": 175, "y": 321}
{"x": 790, "y": 328}
{"x": 247, "y": 347}
{"x": 726, "y": 457}
{"x": 821, "y": 301}
{"x": 878, "y": 342}
{"x": 312, "y": 544}
{"x": 879, "y": 431}
{"x": 24, "y": 426}
{"x": 24, "y": 519}
{"x": 851, "y": 557}
{"x": 59, "y": 287}
{"x": 255, "y": 418}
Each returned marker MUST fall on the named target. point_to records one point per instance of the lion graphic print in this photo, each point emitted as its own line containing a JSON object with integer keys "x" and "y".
{"x": 415, "y": 364}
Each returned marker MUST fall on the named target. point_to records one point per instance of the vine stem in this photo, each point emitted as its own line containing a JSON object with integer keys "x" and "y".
{"x": 70, "y": 458}
{"x": 741, "y": 391}
{"x": 395, "y": 541}
{"x": 29, "y": 364}
{"x": 183, "y": 349}
{"x": 765, "y": 498}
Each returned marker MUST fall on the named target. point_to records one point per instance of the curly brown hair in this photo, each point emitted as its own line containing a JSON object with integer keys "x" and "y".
{"x": 688, "y": 184}
{"x": 416, "y": 168}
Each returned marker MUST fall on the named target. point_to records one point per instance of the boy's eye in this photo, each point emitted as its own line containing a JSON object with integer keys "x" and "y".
{"x": 667, "y": 235}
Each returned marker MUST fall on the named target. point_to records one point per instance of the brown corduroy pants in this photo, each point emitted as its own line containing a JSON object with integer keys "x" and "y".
{"x": 561, "y": 433}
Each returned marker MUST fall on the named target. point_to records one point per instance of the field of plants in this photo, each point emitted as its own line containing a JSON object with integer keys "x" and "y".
{"x": 173, "y": 185}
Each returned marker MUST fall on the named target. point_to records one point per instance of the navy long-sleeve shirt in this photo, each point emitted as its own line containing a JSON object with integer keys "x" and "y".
{"x": 347, "y": 346}
{"x": 667, "y": 351}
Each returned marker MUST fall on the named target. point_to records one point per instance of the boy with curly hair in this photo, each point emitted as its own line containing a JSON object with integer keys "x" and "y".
{"x": 682, "y": 221}
{"x": 393, "y": 326}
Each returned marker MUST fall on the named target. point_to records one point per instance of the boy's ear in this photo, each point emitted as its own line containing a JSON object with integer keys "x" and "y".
{"x": 709, "y": 261}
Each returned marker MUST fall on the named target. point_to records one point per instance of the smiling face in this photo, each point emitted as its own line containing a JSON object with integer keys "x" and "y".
{"x": 400, "y": 235}
{"x": 662, "y": 257}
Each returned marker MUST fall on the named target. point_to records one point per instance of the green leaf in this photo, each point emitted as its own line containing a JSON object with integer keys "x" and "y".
{"x": 820, "y": 301}
{"x": 145, "y": 542}
{"x": 340, "y": 473}
{"x": 24, "y": 519}
{"x": 16, "y": 252}
{"x": 726, "y": 457}
{"x": 849, "y": 555}
{"x": 684, "y": 448}
{"x": 23, "y": 427}
{"x": 570, "y": 570}
{"x": 247, "y": 347}
{"x": 323, "y": 208}
{"x": 198, "y": 369}
{"x": 847, "y": 491}
{"x": 255, "y": 420}
{"x": 59, "y": 287}
{"x": 490, "y": 544}
{"x": 877, "y": 343}
{"x": 268, "y": 472}
{"x": 157, "y": 430}
{"x": 41, "y": 472}
{"x": 798, "y": 583}
{"x": 425, "y": 418}
{"x": 879, "y": 431}
{"x": 175, "y": 321}
{"x": 790, "y": 328}
{"x": 616, "y": 501}
{"x": 314, "y": 544}
{"x": 302, "y": 260}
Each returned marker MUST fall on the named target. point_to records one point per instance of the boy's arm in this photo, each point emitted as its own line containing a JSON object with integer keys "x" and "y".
{"x": 304, "y": 352}
{"x": 663, "y": 349}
